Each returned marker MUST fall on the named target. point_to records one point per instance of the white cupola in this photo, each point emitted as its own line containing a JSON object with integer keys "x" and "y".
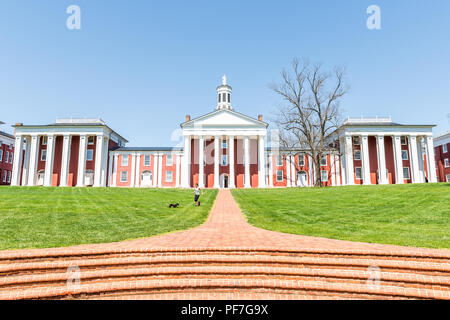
{"x": 224, "y": 95}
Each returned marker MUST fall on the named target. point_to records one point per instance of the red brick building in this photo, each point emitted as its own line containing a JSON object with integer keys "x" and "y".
{"x": 442, "y": 153}
{"x": 222, "y": 149}
{"x": 6, "y": 157}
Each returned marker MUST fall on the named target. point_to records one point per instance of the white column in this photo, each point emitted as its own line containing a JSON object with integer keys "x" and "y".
{"x": 137, "y": 181}
{"x": 399, "y": 179}
{"x": 82, "y": 161}
{"x": 414, "y": 162}
{"x": 178, "y": 168}
{"x": 201, "y": 156}
{"x": 262, "y": 163}
{"x": 133, "y": 170}
{"x": 349, "y": 161}
{"x": 33, "y": 160}
{"x": 333, "y": 169}
{"x": 114, "y": 175}
{"x": 431, "y": 164}
{"x": 271, "y": 170}
{"x": 110, "y": 169}
{"x": 216, "y": 161}
{"x": 421, "y": 162}
{"x": 338, "y": 170}
{"x": 342, "y": 161}
{"x": 288, "y": 171}
{"x": 231, "y": 183}
{"x": 247, "y": 183}
{"x": 49, "y": 160}
{"x": 310, "y": 171}
{"x": 65, "y": 162}
{"x": 17, "y": 163}
{"x": 381, "y": 158}
{"x": 185, "y": 173}
{"x": 365, "y": 159}
{"x": 155, "y": 170}
{"x": 104, "y": 169}
{"x": 26, "y": 161}
{"x": 98, "y": 161}
{"x": 293, "y": 172}
{"x": 160, "y": 169}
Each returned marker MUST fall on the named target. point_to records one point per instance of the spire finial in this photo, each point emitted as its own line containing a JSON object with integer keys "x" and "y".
{"x": 224, "y": 80}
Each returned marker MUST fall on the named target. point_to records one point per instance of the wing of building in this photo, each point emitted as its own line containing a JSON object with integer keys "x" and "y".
{"x": 441, "y": 149}
{"x": 6, "y": 157}
{"x": 221, "y": 149}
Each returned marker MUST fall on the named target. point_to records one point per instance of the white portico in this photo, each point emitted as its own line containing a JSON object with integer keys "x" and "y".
{"x": 224, "y": 148}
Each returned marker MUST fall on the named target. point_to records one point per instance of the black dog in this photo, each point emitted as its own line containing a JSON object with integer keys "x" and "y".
{"x": 174, "y": 205}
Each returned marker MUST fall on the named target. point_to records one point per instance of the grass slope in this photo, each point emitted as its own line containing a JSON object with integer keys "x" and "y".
{"x": 37, "y": 217}
{"x": 410, "y": 215}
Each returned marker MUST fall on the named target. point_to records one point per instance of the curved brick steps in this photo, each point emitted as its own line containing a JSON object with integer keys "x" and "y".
{"x": 299, "y": 273}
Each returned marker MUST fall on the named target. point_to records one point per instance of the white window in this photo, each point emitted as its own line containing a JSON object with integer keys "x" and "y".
{"x": 123, "y": 176}
{"x": 169, "y": 160}
{"x": 1, "y": 155}
{"x": 44, "y": 140}
{"x": 324, "y": 175}
{"x": 5, "y": 173}
{"x": 358, "y": 173}
{"x": 224, "y": 161}
{"x": 279, "y": 175}
{"x": 90, "y": 155}
{"x": 7, "y": 157}
{"x": 43, "y": 154}
{"x": 147, "y": 160}
{"x": 323, "y": 161}
{"x": 444, "y": 148}
{"x": 406, "y": 173}
{"x": 357, "y": 154}
{"x": 279, "y": 160}
{"x": 9, "y": 176}
{"x": 403, "y": 140}
{"x": 11, "y": 157}
{"x": 124, "y": 162}
{"x": 446, "y": 164}
{"x": 356, "y": 140}
{"x": 224, "y": 144}
{"x": 447, "y": 177}
{"x": 168, "y": 176}
{"x": 91, "y": 140}
{"x": 404, "y": 154}
{"x": 301, "y": 159}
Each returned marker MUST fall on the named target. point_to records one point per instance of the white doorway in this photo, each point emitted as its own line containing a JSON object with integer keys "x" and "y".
{"x": 302, "y": 179}
{"x": 89, "y": 178}
{"x": 224, "y": 181}
{"x": 40, "y": 177}
{"x": 146, "y": 179}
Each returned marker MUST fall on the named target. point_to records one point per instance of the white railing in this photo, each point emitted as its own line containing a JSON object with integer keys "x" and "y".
{"x": 369, "y": 120}
{"x": 80, "y": 120}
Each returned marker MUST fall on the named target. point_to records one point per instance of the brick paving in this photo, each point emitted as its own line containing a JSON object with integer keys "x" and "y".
{"x": 227, "y": 258}
{"x": 226, "y": 227}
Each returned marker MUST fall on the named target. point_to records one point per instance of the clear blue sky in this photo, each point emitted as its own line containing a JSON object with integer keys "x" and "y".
{"x": 143, "y": 65}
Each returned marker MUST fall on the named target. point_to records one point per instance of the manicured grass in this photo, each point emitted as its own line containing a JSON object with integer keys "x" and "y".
{"x": 410, "y": 215}
{"x": 38, "y": 217}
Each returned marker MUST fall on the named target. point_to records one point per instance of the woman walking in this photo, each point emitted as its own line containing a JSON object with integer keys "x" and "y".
{"x": 197, "y": 195}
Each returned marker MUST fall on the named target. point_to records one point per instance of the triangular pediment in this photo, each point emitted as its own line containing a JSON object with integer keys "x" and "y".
{"x": 228, "y": 118}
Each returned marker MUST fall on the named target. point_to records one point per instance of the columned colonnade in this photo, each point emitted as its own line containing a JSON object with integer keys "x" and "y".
{"x": 416, "y": 145}
{"x": 30, "y": 143}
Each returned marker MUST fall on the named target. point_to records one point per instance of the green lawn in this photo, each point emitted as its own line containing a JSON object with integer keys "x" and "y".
{"x": 38, "y": 217}
{"x": 410, "y": 215}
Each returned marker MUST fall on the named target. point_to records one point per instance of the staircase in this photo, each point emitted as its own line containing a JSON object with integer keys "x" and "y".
{"x": 224, "y": 273}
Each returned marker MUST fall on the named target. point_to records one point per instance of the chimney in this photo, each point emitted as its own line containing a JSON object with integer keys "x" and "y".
{"x": 260, "y": 117}
{"x": 188, "y": 118}
{"x": 19, "y": 124}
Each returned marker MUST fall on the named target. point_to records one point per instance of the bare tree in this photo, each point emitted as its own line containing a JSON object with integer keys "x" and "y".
{"x": 311, "y": 109}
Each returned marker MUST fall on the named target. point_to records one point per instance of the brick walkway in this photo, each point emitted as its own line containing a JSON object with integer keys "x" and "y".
{"x": 226, "y": 227}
